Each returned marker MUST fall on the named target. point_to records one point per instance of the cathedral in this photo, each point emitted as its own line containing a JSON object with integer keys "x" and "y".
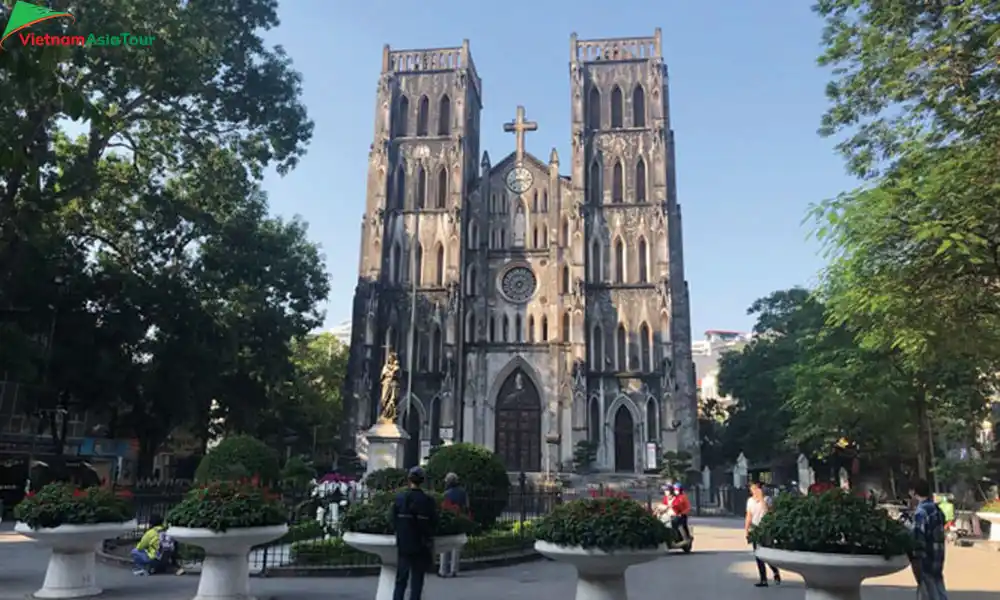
{"x": 530, "y": 309}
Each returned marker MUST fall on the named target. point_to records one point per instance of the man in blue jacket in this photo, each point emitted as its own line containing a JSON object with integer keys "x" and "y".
{"x": 414, "y": 514}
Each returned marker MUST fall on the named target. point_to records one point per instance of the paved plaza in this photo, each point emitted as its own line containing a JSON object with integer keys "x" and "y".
{"x": 720, "y": 567}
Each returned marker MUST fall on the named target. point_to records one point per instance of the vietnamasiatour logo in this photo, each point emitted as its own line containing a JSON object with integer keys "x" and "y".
{"x": 25, "y": 15}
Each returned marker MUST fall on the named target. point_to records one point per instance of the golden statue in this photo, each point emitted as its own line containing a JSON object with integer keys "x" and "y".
{"x": 390, "y": 389}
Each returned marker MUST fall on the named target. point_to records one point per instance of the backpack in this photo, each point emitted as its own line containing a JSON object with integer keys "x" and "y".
{"x": 167, "y": 543}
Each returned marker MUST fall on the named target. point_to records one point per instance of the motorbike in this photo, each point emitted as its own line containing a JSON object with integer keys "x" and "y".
{"x": 686, "y": 544}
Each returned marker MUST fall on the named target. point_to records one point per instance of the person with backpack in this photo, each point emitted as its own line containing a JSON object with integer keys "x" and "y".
{"x": 155, "y": 551}
{"x": 414, "y": 515}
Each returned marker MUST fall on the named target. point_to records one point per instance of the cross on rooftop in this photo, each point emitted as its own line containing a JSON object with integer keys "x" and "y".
{"x": 519, "y": 126}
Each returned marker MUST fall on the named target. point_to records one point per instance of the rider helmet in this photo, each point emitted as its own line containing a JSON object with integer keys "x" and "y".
{"x": 678, "y": 487}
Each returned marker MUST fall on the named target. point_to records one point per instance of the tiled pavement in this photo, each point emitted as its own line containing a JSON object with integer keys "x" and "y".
{"x": 720, "y": 567}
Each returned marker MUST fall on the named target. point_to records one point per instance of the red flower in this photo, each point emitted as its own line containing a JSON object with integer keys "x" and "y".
{"x": 123, "y": 494}
{"x": 78, "y": 493}
{"x": 30, "y": 495}
{"x": 255, "y": 480}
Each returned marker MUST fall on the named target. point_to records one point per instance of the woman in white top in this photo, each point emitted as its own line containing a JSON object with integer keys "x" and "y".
{"x": 757, "y": 506}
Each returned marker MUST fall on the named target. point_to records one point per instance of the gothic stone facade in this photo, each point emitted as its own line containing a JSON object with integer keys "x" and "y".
{"x": 530, "y": 309}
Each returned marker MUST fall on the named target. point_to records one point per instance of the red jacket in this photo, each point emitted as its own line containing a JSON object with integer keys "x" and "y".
{"x": 680, "y": 504}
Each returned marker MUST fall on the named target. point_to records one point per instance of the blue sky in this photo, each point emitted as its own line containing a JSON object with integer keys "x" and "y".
{"x": 746, "y": 99}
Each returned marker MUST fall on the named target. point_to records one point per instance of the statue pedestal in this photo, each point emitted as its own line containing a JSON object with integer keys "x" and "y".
{"x": 386, "y": 444}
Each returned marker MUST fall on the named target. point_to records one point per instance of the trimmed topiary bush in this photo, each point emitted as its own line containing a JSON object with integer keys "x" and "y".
{"x": 480, "y": 472}
{"x": 239, "y": 457}
{"x": 386, "y": 480}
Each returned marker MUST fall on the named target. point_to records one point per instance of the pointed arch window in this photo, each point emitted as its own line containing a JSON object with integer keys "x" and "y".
{"x": 564, "y": 283}
{"x": 616, "y": 108}
{"x": 621, "y": 348}
{"x": 534, "y": 238}
{"x": 594, "y": 421}
{"x": 594, "y": 108}
{"x": 596, "y": 266}
{"x": 545, "y": 237}
{"x": 470, "y": 327}
{"x": 531, "y": 330}
{"x": 638, "y": 107}
{"x": 566, "y": 327}
{"x": 617, "y": 183}
{"x": 619, "y": 261}
{"x": 422, "y": 116}
{"x": 444, "y": 116}
{"x": 652, "y": 422}
{"x": 396, "y": 264}
{"x": 402, "y": 116}
{"x": 437, "y": 350}
{"x": 418, "y": 265}
{"x": 545, "y": 328}
{"x": 421, "y": 187}
{"x": 643, "y": 264}
{"x": 423, "y": 352}
{"x": 506, "y": 329}
{"x": 442, "y": 189}
{"x": 645, "y": 346}
{"x": 640, "y": 181}
{"x": 597, "y": 343}
{"x": 439, "y": 267}
{"x": 534, "y": 202}
{"x": 545, "y": 201}
{"x": 594, "y": 183}
{"x": 400, "y": 201}
{"x": 473, "y": 236}
{"x": 493, "y": 329}
{"x": 518, "y": 329}
{"x": 565, "y": 232}
{"x": 470, "y": 281}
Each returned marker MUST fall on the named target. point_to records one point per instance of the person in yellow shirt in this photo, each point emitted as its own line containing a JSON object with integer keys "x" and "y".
{"x": 155, "y": 550}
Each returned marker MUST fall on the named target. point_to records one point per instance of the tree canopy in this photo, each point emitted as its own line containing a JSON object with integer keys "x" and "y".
{"x": 133, "y": 227}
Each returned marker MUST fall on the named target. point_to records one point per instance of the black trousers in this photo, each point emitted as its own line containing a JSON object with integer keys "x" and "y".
{"x": 412, "y": 569}
{"x": 762, "y": 571}
{"x": 680, "y": 525}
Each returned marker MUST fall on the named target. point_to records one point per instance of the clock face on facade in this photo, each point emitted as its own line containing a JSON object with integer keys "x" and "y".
{"x": 519, "y": 180}
{"x": 518, "y": 284}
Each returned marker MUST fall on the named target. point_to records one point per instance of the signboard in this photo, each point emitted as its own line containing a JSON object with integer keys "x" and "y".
{"x": 447, "y": 433}
{"x": 652, "y": 455}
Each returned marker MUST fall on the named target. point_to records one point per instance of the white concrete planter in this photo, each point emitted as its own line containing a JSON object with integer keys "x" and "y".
{"x": 832, "y": 576}
{"x": 994, "y": 521}
{"x": 70, "y": 573}
{"x": 384, "y": 547}
{"x": 225, "y": 572}
{"x": 599, "y": 575}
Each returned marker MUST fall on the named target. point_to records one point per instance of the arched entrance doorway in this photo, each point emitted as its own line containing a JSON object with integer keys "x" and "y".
{"x": 624, "y": 441}
{"x": 518, "y": 438}
{"x": 411, "y": 424}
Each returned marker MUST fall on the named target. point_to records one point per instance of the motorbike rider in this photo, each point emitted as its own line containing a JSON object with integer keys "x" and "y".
{"x": 681, "y": 507}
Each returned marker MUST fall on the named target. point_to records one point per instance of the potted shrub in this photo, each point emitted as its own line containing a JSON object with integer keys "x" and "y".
{"x": 990, "y": 512}
{"x": 227, "y": 519}
{"x": 834, "y": 540}
{"x": 368, "y": 527}
{"x": 601, "y": 537}
{"x": 72, "y": 522}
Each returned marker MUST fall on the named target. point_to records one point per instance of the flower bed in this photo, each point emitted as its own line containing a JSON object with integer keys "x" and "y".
{"x": 609, "y": 522}
{"x": 225, "y": 505}
{"x": 64, "y": 504}
{"x": 833, "y": 522}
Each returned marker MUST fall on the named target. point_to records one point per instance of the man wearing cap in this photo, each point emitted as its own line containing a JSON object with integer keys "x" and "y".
{"x": 415, "y": 517}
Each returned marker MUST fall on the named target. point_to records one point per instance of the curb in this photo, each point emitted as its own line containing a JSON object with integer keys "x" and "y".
{"x": 474, "y": 564}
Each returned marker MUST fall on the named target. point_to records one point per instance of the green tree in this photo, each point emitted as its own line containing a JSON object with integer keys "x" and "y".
{"x": 758, "y": 377}
{"x": 144, "y": 231}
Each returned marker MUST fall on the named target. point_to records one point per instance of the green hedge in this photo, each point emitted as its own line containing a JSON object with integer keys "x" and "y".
{"x": 480, "y": 472}
{"x": 335, "y": 553}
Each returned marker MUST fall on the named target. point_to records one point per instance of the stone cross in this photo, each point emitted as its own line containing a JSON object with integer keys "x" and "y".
{"x": 519, "y": 126}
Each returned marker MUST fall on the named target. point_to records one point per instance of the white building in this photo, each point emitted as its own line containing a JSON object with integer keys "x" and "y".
{"x": 342, "y": 332}
{"x": 706, "y": 354}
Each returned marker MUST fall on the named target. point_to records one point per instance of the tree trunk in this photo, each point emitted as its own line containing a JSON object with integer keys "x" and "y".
{"x": 923, "y": 437}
